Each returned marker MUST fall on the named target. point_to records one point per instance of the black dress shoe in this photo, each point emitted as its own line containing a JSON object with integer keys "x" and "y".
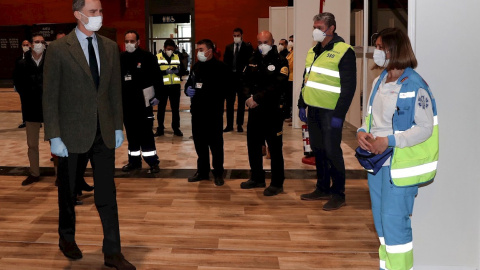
{"x": 252, "y": 184}
{"x": 239, "y": 128}
{"x": 228, "y": 129}
{"x": 70, "y": 249}
{"x": 154, "y": 169}
{"x": 83, "y": 187}
{"x": 272, "y": 191}
{"x": 22, "y": 125}
{"x": 198, "y": 177}
{"x": 30, "y": 179}
{"x": 219, "y": 180}
{"x": 118, "y": 261}
{"x": 159, "y": 133}
{"x": 130, "y": 167}
{"x": 178, "y": 132}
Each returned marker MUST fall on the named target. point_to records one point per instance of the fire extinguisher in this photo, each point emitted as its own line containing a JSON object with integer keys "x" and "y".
{"x": 307, "y": 150}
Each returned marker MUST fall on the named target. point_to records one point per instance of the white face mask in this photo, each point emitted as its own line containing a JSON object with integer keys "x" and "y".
{"x": 280, "y": 48}
{"x": 264, "y": 48}
{"x": 25, "y": 48}
{"x": 237, "y": 39}
{"x": 290, "y": 45}
{"x": 318, "y": 35}
{"x": 130, "y": 47}
{"x": 379, "y": 58}
{"x": 201, "y": 56}
{"x": 169, "y": 53}
{"x": 94, "y": 23}
{"x": 38, "y": 48}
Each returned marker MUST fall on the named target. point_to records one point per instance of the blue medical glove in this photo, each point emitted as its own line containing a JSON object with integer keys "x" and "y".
{"x": 336, "y": 122}
{"x": 154, "y": 101}
{"x": 118, "y": 138}
{"x": 58, "y": 148}
{"x": 302, "y": 114}
{"x": 190, "y": 91}
{"x": 169, "y": 71}
{"x": 175, "y": 70}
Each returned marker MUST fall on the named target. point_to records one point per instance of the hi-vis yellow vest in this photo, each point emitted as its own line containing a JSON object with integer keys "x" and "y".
{"x": 322, "y": 79}
{"x": 169, "y": 79}
{"x": 416, "y": 164}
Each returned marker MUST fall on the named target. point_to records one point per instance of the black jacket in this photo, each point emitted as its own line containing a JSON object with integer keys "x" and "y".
{"x": 348, "y": 77}
{"x": 209, "y": 79}
{"x": 244, "y": 55}
{"x": 139, "y": 70}
{"x": 266, "y": 78}
{"x": 28, "y": 80}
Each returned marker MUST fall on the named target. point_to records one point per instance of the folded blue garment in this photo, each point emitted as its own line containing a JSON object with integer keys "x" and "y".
{"x": 371, "y": 162}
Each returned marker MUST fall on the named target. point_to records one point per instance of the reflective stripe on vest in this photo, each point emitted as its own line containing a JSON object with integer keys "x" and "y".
{"x": 169, "y": 79}
{"x": 416, "y": 164}
{"x": 322, "y": 78}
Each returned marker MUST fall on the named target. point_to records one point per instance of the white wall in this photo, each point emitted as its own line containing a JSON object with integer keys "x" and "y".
{"x": 278, "y": 23}
{"x": 263, "y": 24}
{"x": 304, "y": 11}
{"x": 446, "y": 217}
{"x": 342, "y": 11}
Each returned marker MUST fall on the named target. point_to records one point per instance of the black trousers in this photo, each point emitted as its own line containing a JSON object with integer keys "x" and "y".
{"x": 141, "y": 141}
{"x": 207, "y": 131}
{"x": 103, "y": 164}
{"x": 235, "y": 90}
{"x": 325, "y": 142}
{"x": 171, "y": 92}
{"x": 265, "y": 126}
{"x": 287, "y": 107}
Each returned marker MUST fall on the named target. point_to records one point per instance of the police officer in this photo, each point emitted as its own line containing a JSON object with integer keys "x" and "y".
{"x": 172, "y": 72}
{"x": 205, "y": 87}
{"x": 140, "y": 79}
{"x": 330, "y": 79}
{"x": 265, "y": 81}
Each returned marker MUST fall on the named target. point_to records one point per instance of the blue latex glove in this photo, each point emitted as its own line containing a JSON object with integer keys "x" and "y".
{"x": 302, "y": 114}
{"x": 169, "y": 71}
{"x": 175, "y": 71}
{"x": 190, "y": 91}
{"x": 336, "y": 122}
{"x": 154, "y": 102}
{"x": 58, "y": 148}
{"x": 118, "y": 138}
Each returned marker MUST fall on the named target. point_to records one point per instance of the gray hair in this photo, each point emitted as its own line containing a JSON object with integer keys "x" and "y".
{"x": 326, "y": 17}
{"x": 77, "y": 5}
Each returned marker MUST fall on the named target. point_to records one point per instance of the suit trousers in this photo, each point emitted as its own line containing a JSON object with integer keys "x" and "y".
{"x": 325, "y": 142}
{"x": 103, "y": 165}
{"x": 230, "y": 98}
{"x": 171, "y": 92}
{"x": 265, "y": 126}
{"x": 208, "y": 135}
{"x": 33, "y": 133}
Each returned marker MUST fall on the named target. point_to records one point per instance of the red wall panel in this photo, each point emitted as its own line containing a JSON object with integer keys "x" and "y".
{"x": 116, "y": 15}
{"x": 216, "y": 19}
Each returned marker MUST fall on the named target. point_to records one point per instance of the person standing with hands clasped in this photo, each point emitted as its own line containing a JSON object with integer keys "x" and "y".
{"x": 401, "y": 114}
{"x": 330, "y": 79}
{"x": 265, "y": 81}
{"x": 205, "y": 87}
{"x": 82, "y": 108}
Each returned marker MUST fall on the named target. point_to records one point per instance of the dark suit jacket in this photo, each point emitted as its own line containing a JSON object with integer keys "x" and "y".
{"x": 71, "y": 102}
{"x": 244, "y": 55}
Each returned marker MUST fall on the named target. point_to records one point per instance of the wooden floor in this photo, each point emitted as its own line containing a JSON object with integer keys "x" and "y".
{"x": 173, "y": 224}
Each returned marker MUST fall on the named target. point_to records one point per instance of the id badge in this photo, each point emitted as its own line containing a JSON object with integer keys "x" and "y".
{"x": 128, "y": 77}
{"x": 198, "y": 85}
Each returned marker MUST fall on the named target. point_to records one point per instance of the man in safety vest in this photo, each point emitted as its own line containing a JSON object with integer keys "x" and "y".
{"x": 329, "y": 85}
{"x": 172, "y": 72}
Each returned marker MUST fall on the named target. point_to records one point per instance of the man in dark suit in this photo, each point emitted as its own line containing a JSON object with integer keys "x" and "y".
{"x": 82, "y": 104}
{"x": 236, "y": 57}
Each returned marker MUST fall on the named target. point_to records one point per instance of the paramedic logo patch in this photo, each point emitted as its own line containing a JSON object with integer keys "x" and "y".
{"x": 423, "y": 102}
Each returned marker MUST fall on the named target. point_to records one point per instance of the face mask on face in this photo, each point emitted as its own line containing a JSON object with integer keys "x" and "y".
{"x": 290, "y": 45}
{"x": 130, "y": 47}
{"x": 94, "y": 23}
{"x": 38, "y": 48}
{"x": 201, "y": 56}
{"x": 318, "y": 35}
{"x": 264, "y": 48}
{"x": 237, "y": 39}
{"x": 379, "y": 58}
{"x": 169, "y": 53}
{"x": 280, "y": 48}
{"x": 25, "y": 48}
